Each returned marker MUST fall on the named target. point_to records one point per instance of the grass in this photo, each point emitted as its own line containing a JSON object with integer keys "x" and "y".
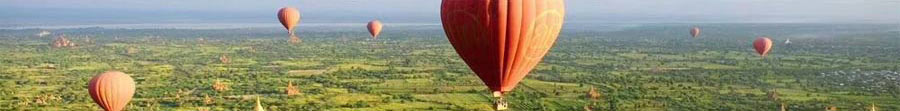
{"x": 467, "y": 101}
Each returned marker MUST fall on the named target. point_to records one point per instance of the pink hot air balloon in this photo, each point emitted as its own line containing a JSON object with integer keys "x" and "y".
{"x": 695, "y": 32}
{"x": 111, "y": 90}
{"x": 374, "y": 28}
{"x": 762, "y": 46}
{"x": 502, "y": 40}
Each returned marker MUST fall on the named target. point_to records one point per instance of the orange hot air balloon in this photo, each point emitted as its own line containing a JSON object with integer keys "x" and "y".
{"x": 289, "y": 17}
{"x": 695, "y": 32}
{"x": 502, "y": 40}
{"x": 374, "y": 28}
{"x": 762, "y": 45}
{"x": 111, "y": 90}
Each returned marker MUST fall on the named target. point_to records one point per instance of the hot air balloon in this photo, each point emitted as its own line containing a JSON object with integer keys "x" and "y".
{"x": 695, "y": 32}
{"x": 111, "y": 90}
{"x": 289, "y": 17}
{"x": 374, "y": 28}
{"x": 762, "y": 45}
{"x": 502, "y": 40}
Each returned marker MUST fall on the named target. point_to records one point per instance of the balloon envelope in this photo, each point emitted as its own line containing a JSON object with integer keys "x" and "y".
{"x": 762, "y": 45}
{"x": 502, "y": 40}
{"x": 695, "y": 32}
{"x": 289, "y": 17}
{"x": 111, "y": 90}
{"x": 374, "y": 28}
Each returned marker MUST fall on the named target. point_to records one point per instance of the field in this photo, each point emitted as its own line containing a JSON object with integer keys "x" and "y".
{"x": 645, "y": 67}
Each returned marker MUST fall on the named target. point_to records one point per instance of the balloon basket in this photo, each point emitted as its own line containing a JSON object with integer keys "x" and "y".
{"x": 501, "y": 104}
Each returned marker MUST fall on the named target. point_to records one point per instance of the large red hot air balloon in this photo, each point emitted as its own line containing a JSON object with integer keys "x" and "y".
{"x": 502, "y": 40}
{"x": 111, "y": 90}
{"x": 762, "y": 46}
{"x": 695, "y": 32}
{"x": 374, "y": 28}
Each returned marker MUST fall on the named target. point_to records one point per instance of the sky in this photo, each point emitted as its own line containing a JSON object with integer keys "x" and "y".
{"x": 427, "y": 11}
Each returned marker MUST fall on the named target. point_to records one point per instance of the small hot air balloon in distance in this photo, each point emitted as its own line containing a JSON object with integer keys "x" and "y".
{"x": 289, "y": 17}
{"x": 111, "y": 90}
{"x": 695, "y": 32}
{"x": 762, "y": 46}
{"x": 374, "y": 28}
{"x": 502, "y": 40}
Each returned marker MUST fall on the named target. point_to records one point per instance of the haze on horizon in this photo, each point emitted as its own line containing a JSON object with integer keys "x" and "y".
{"x": 427, "y": 11}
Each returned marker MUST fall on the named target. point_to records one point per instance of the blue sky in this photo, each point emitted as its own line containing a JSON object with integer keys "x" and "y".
{"x": 426, "y": 11}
